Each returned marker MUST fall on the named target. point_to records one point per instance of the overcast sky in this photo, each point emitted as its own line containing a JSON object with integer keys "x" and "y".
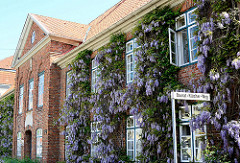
{"x": 13, "y": 14}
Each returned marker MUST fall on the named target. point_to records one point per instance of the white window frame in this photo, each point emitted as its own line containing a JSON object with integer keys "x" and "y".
{"x": 19, "y": 144}
{"x": 193, "y": 134}
{"x": 40, "y": 89}
{"x": 190, "y": 45}
{"x": 21, "y": 92}
{"x": 130, "y": 53}
{"x": 176, "y": 20}
{"x": 95, "y": 132}
{"x": 39, "y": 143}
{"x": 178, "y": 36}
{"x": 134, "y": 128}
{"x": 95, "y": 75}
{"x": 188, "y": 17}
{"x": 30, "y": 94}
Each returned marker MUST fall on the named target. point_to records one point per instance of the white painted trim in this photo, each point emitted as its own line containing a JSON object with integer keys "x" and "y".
{"x": 33, "y": 51}
{"x": 22, "y": 40}
{"x": 39, "y": 24}
{"x": 12, "y": 91}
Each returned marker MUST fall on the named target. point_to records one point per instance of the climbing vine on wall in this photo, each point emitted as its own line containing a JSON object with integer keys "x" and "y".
{"x": 155, "y": 79}
{"x": 6, "y": 126}
{"x": 75, "y": 113}
{"x": 108, "y": 102}
{"x": 219, "y": 61}
{"x": 147, "y": 97}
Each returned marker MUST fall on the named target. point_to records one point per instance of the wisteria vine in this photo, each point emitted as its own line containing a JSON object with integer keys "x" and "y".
{"x": 75, "y": 114}
{"x": 6, "y": 126}
{"x": 218, "y": 60}
{"x": 108, "y": 100}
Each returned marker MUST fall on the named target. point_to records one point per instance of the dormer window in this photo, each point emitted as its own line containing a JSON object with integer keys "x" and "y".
{"x": 33, "y": 37}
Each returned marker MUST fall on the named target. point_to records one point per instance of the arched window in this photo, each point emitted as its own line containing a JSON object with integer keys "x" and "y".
{"x": 19, "y": 137}
{"x": 39, "y": 143}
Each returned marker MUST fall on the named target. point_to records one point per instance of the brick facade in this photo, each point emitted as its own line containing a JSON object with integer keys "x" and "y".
{"x": 187, "y": 73}
{"x": 42, "y": 117}
{"x": 39, "y": 34}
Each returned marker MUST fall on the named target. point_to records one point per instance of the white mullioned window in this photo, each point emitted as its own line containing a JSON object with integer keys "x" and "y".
{"x": 190, "y": 141}
{"x": 30, "y": 94}
{"x": 131, "y": 46}
{"x": 96, "y": 128}
{"x": 19, "y": 144}
{"x": 134, "y": 145}
{"x": 21, "y": 91}
{"x": 40, "y": 89}
{"x": 68, "y": 78}
{"x": 183, "y": 47}
{"x": 39, "y": 143}
{"x": 95, "y": 74}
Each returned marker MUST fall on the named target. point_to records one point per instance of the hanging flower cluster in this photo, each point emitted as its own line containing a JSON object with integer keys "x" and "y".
{"x": 111, "y": 100}
{"x": 6, "y": 126}
{"x": 155, "y": 78}
{"x": 75, "y": 114}
{"x": 218, "y": 60}
{"x": 108, "y": 101}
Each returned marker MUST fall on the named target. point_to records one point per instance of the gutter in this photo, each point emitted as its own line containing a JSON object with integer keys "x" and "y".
{"x": 63, "y": 61}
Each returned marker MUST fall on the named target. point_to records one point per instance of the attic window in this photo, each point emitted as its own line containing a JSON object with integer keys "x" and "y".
{"x": 33, "y": 36}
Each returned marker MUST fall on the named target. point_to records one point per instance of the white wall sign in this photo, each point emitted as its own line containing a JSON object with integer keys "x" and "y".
{"x": 190, "y": 96}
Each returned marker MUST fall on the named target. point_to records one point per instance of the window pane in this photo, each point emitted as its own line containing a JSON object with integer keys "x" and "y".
{"x": 185, "y": 115}
{"x": 130, "y": 122}
{"x": 21, "y": 99}
{"x": 186, "y": 142}
{"x": 129, "y": 46}
{"x": 19, "y": 136}
{"x": 192, "y": 30}
{"x": 130, "y": 145}
{"x": 185, "y": 47}
{"x": 130, "y": 134}
{"x": 30, "y": 102}
{"x": 192, "y": 17}
{"x": 40, "y": 90}
{"x": 186, "y": 154}
{"x": 39, "y": 143}
{"x": 199, "y": 154}
{"x": 130, "y": 154}
{"x": 186, "y": 130}
{"x": 181, "y": 21}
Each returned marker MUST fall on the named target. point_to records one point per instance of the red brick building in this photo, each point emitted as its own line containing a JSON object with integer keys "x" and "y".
{"x": 45, "y": 47}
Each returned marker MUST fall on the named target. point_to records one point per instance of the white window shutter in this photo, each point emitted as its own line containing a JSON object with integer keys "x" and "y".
{"x": 173, "y": 47}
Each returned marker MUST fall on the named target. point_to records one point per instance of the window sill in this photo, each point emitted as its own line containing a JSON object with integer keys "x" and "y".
{"x": 188, "y": 64}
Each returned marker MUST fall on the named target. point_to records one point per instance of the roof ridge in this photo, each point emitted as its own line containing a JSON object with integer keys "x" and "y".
{"x": 58, "y": 19}
{"x": 117, "y": 4}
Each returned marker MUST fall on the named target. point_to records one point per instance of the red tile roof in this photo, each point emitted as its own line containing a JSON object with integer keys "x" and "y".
{"x": 62, "y": 28}
{"x": 114, "y": 14}
{"x": 6, "y": 63}
{"x": 7, "y": 77}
